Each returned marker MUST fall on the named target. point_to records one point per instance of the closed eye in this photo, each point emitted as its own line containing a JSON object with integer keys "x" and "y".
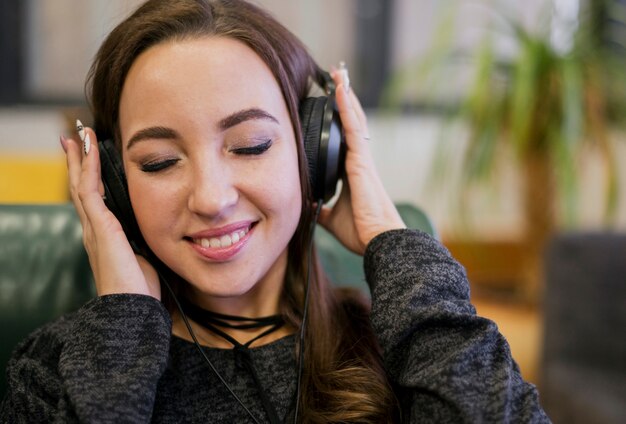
{"x": 253, "y": 150}
{"x": 158, "y": 165}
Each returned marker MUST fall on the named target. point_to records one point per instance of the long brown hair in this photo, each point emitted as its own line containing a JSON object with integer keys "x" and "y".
{"x": 343, "y": 378}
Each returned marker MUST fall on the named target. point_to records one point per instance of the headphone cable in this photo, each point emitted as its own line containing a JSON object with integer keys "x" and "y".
{"x": 305, "y": 309}
{"x": 302, "y": 325}
{"x": 197, "y": 343}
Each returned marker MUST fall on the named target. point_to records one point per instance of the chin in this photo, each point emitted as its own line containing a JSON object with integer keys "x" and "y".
{"x": 227, "y": 289}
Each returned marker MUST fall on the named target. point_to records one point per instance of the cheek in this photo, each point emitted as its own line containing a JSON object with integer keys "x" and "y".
{"x": 153, "y": 204}
{"x": 284, "y": 181}
{"x": 140, "y": 196}
{"x": 292, "y": 206}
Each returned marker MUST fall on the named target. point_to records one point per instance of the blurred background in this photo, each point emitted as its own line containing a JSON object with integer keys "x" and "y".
{"x": 503, "y": 120}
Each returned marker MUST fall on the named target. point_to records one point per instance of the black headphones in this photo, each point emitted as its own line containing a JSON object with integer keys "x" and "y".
{"x": 324, "y": 141}
{"x": 324, "y": 146}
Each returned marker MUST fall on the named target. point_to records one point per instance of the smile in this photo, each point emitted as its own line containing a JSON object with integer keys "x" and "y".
{"x": 225, "y": 240}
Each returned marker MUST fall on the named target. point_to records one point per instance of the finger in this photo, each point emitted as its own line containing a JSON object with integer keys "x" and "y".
{"x": 90, "y": 185}
{"x": 73, "y": 156}
{"x": 341, "y": 78}
{"x": 356, "y": 104}
{"x": 349, "y": 117}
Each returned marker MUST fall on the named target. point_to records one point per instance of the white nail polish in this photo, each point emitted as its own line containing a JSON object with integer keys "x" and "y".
{"x": 81, "y": 130}
{"x": 344, "y": 75}
{"x": 87, "y": 144}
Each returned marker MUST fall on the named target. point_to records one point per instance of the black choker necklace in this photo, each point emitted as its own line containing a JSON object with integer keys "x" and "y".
{"x": 212, "y": 320}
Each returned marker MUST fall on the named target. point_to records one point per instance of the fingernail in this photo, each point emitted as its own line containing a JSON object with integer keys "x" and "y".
{"x": 62, "y": 139}
{"x": 81, "y": 130}
{"x": 87, "y": 144}
{"x": 344, "y": 75}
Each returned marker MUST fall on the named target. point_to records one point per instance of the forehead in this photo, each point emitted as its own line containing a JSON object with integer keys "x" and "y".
{"x": 216, "y": 74}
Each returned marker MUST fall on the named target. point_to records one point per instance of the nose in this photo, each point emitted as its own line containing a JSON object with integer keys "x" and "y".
{"x": 213, "y": 191}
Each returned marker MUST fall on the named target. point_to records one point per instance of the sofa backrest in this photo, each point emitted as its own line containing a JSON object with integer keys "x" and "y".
{"x": 44, "y": 269}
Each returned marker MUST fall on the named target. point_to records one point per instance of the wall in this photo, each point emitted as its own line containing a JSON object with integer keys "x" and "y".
{"x": 65, "y": 34}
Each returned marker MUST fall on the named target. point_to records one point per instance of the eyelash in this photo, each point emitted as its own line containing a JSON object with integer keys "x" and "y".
{"x": 158, "y": 166}
{"x": 253, "y": 150}
{"x": 259, "y": 149}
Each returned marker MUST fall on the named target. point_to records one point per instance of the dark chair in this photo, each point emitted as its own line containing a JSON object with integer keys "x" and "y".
{"x": 44, "y": 269}
{"x": 345, "y": 268}
{"x": 584, "y": 351}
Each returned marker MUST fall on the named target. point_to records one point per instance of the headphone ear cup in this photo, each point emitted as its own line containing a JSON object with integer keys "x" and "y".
{"x": 116, "y": 195}
{"x": 311, "y": 117}
{"x": 324, "y": 145}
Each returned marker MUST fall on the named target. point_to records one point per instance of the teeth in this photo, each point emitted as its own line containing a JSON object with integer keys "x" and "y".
{"x": 224, "y": 241}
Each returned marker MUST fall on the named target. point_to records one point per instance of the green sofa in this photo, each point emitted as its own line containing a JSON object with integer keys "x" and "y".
{"x": 44, "y": 269}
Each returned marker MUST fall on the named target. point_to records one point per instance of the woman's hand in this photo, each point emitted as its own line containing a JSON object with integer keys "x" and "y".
{"x": 364, "y": 208}
{"x": 115, "y": 266}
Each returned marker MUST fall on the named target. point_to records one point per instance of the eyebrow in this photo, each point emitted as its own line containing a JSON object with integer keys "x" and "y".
{"x": 152, "y": 133}
{"x": 245, "y": 115}
{"x": 226, "y": 123}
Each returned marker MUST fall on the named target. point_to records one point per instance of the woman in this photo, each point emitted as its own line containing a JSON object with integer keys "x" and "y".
{"x": 201, "y": 98}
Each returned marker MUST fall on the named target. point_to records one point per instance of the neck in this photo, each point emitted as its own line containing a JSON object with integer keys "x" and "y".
{"x": 262, "y": 300}
{"x": 249, "y": 305}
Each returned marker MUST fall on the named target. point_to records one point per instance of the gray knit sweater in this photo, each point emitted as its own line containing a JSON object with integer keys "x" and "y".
{"x": 115, "y": 360}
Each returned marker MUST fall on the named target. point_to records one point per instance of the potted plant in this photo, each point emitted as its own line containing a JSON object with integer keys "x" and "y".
{"x": 548, "y": 105}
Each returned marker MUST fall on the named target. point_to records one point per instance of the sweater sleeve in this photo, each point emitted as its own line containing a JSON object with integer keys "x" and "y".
{"x": 448, "y": 364}
{"x": 101, "y": 365}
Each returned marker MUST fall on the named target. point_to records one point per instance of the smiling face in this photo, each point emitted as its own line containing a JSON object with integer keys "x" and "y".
{"x": 211, "y": 161}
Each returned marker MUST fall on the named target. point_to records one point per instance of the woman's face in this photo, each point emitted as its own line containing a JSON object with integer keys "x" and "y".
{"x": 210, "y": 156}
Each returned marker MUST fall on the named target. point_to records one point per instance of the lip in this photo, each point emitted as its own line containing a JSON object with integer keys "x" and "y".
{"x": 222, "y": 254}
